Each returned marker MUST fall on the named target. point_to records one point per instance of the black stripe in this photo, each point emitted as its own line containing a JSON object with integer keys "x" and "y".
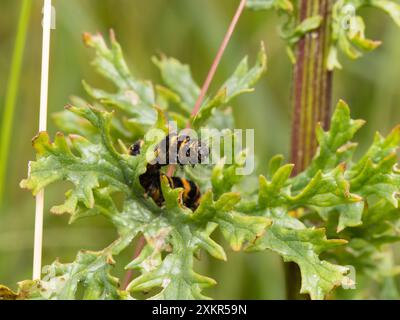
{"x": 193, "y": 189}
{"x": 177, "y": 182}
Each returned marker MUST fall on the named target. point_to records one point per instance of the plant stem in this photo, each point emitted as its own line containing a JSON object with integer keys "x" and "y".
{"x": 213, "y": 69}
{"x": 312, "y": 84}
{"x": 312, "y": 101}
{"x": 12, "y": 92}
{"x": 217, "y": 59}
{"x": 138, "y": 249}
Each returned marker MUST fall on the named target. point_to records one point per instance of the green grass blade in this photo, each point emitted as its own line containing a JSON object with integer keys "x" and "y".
{"x": 12, "y": 92}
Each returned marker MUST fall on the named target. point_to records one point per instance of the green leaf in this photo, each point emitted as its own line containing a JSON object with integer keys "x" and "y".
{"x": 290, "y": 238}
{"x": 379, "y": 225}
{"x": 270, "y": 193}
{"x": 70, "y": 123}
{"x": 224, "y": 177}
{"x": 90, "y": 271}
{"x": 350, "y": 215}
{"x": 175, "y": 277}
{"x": 241, "y": 230}
{"x": 180, "y": 282}
{"x": 334, "y": 146}
{"x": 322, "y": 190}
{"x": 242, "y": 81}
{"x": 306, "y": 26}
{"x": 373, "y": 175}
{"x": 348, "y": 28}
{"x": 91, "y": 165}
{"x": 274, "y": 164}
{"x": 178, "y": 77}
{"x": 333, "y": 185}
{"x": 303, "y": 247}
{"x": 134, "y": 97}
{"x": 357, "y": 36}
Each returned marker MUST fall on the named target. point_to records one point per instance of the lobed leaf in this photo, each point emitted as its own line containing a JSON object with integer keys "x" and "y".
{"x": 348, "y": 28}
{"x": 242, "y": 81}
{"x": 303, "y": 247}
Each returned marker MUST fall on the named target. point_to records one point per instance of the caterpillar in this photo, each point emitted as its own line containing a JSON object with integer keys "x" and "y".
{"x": 172, "y": 149}
{"x": 176, "y": 149}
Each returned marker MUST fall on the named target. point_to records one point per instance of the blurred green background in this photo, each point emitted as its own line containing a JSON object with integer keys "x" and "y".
{"x": 190, "y": 30}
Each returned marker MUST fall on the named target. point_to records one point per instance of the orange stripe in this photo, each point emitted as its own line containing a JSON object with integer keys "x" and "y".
{"x": 186, "y": 187}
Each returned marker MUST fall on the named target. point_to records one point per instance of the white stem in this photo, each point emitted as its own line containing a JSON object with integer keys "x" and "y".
{"x": 37, "y": 250}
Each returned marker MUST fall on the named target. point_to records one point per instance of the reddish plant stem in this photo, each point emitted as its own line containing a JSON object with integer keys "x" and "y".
{"x": 312, "y": 88}
{"x": 196, "y": 109}
{"x": 128, "y": 276}
{"x": 218, "y": 57}
{"x": 312, "y": 102}
{"x": 213, "y": 69}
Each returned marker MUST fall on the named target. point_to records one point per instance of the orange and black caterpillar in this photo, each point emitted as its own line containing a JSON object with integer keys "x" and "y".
{"x": 176, "y": 149}
{"x": 151, "y": 183}
{"x": 194, "y": 150}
